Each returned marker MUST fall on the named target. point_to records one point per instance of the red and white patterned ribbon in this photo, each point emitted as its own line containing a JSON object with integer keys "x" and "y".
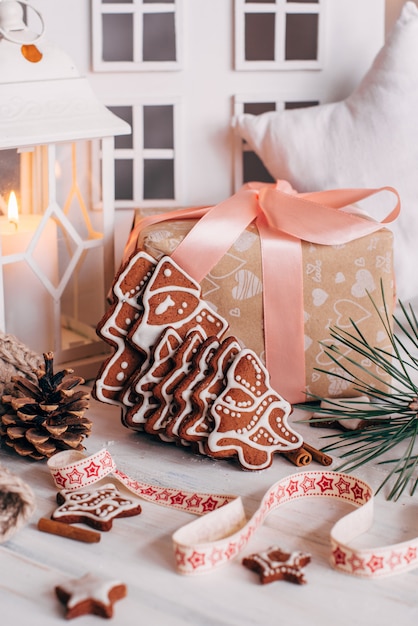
{"x": 223, "y": 530}
{"x": 71, "y": 470}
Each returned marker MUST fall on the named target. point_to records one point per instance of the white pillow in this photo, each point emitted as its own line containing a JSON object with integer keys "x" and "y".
{"x": 368, "y": 140}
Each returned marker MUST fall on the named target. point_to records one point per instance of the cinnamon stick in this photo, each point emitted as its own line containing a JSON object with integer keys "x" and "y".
{"x": 299, "y": 457}
{"x": 317, "y": 455}
{"x": 67, "y": 530}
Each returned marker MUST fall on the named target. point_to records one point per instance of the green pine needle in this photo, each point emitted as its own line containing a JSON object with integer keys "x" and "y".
{"x": 390, "y": 419}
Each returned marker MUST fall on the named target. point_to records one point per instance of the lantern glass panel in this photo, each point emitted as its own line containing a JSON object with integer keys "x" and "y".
{"x": 9, "y": 176}
{"x": 52, "y": 258}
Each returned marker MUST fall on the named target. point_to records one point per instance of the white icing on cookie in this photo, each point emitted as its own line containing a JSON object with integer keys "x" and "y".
{"x": 165, "y": 305}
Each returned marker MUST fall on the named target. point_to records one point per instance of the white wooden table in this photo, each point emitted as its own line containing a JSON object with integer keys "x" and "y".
{"x": 138, "y": 550}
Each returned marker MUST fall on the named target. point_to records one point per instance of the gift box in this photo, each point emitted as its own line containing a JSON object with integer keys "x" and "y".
{"x": 283, "y": 268}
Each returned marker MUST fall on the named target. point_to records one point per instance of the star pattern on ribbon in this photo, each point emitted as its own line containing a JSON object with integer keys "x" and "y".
{"x": 216, "y": 556}
{"x": 308, "y": 484}
{"x": 194, "y": 501}
{"x": 356, "y": 563}
{"x": 357, "y": 491}
{"x": 411, "y": 555}
{"x": 106, "y": 460}
{"x": 75, "y": 477}
{"x": 280, "y": 493}
{"x": 339, "y": 556}
{"x": 343, "y": 486}
{"x": 92, "y": 470}
{"x": 180, "y": 557}
{"x": 163, "y": 495}
{"x": 59, "y": 479}
{"x": 231, "y": 550}
{"x": 326, "y": 483}
{"x": 292, "y": 487}
{"x": 196, "y": 559}
{"x": 375, "y": 563}
{"x": 394, "y": 560}
{"x": 148, "y": 492}
{"x": 178, "y": 498}
{"x": 209, "y": 505}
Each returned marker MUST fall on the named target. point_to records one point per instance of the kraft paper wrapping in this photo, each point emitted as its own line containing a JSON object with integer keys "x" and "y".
{"x": 336, "y": 283}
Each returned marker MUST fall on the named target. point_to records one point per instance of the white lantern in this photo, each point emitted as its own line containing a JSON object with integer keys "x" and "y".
{"x": 56, "y": 206}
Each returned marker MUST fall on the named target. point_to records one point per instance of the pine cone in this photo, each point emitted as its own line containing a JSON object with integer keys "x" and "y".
{"x": 43, "y": 418}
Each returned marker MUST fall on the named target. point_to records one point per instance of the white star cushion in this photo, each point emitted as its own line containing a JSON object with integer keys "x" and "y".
{"x": 368, "y": 140}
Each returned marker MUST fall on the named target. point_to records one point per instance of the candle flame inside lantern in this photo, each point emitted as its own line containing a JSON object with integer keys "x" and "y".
{"x": 12, "y": 210}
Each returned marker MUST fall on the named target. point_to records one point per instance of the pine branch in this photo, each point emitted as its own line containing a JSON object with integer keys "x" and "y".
{"x": 389, "y": 418}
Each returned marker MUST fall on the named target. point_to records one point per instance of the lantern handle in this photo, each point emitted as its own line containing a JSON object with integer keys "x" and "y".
{"x": 6, "y": 33}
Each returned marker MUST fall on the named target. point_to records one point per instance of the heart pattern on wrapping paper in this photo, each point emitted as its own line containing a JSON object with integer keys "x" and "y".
{"x": 347, "y": 310}
{"x": 319, "y": 296}
{"x": 364, "y": 283}
{"x": 360, "y": 262}
{"x": 248, "y": 285}
{"x": 208, "y": 286}
{"x": 315, "y": 377}
{"x": 315, "y": 271}
{"x": 170, "y": 240}
{"x": 339, "y": 277}
{"x": 227, "y": 266}
{"x": 236, "y": 312}
{"x": 323, "y": 360}
{"x": 159, "y": 235}
{"x": 308, "y": 342}
{"x": 337, "y": 385}
{"x": 384, "y": 263}
{"x": 380, "y": 336}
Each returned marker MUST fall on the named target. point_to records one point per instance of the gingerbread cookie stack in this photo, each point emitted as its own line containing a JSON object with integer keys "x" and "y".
{"x": 176, "y": 376}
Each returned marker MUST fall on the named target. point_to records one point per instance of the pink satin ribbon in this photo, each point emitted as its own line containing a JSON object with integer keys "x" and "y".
{"x": 222, "y": 531}
{"x": 284, "y": 219}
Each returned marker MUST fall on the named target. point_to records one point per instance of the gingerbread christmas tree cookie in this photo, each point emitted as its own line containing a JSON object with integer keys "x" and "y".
{"x": 113, "y": 328}
{"x": 250, "y": 418}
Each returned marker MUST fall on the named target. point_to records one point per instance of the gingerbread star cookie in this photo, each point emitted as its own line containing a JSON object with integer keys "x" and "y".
{"x": 90, "y": 595}
{"x": 274, "y": 564}
{"x": 96, "y": 508}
